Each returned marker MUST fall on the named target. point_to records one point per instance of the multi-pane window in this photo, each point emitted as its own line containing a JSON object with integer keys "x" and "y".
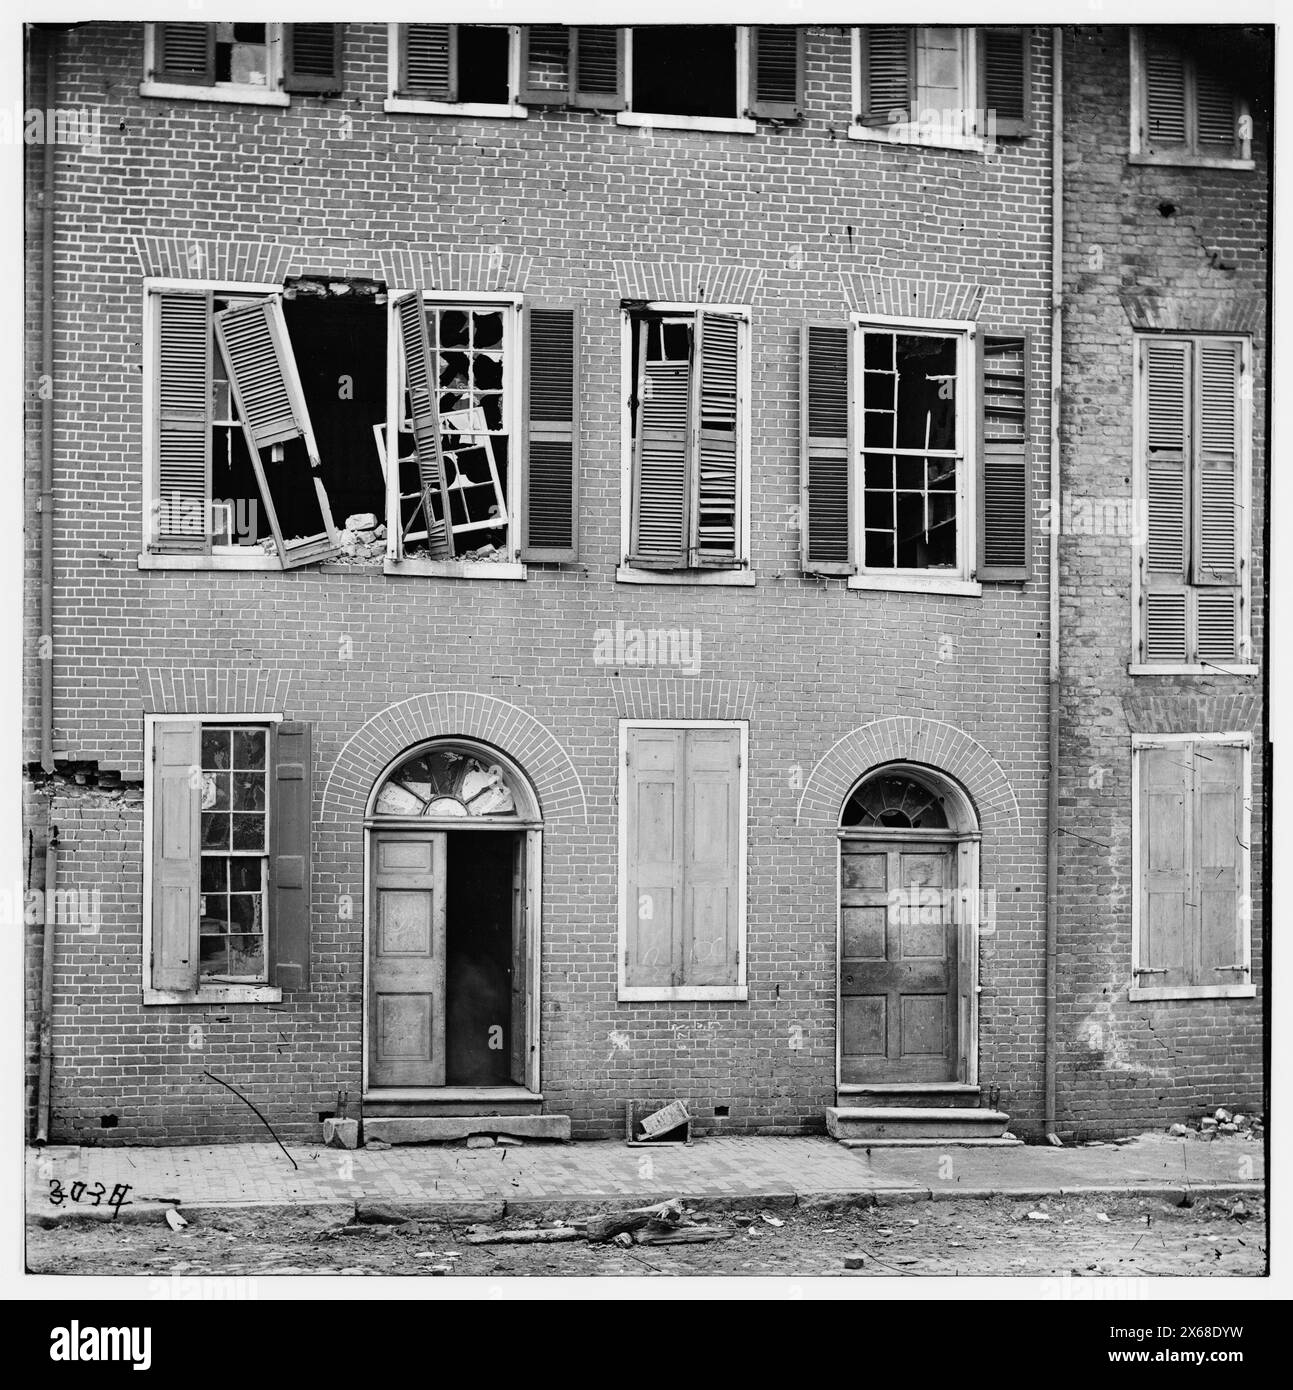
{"x": 1186, "y": 106}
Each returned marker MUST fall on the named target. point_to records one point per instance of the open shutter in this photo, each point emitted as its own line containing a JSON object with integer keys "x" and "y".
{"x": 182, "y": 422}
{"x": 598, "y": 63}
{"x": 1167, "y": 913}
{"x": 1165, "y": 373}
{"x": 715, "y": 539}
{"x": 546, "y": 51}
{"x": 312, "y": 62}
{"x": 1220, "y": 835}
{"x": 424, "y": 413}
{"x": 711, "y": 873}
{"x": 1165, "y": 108}
{"x": 825, "y": 449}
{"x": 1004, "y": 549}
{"x": 776, "y": 72}
{"x": 888, "y": 64}
{"x": 660, "y": 473}
{"x": 290, "y": 861}
{"x": 177, "y": 854}
{"x": 271, "y": 406}
{"x": 1005, "y": 79}
{"x": 655, "y": 816}
{"x": 184, "y": 53}
{"x": 428, "y": 62}
{"x": 550, "y": 482}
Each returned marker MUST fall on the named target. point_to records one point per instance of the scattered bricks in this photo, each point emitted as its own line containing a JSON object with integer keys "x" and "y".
{"x": 854, "y": 1261}
{"x": 1179, "y": 1131}
{"x": 1222, "y": 1116}
{"x": 341, "y": 1134}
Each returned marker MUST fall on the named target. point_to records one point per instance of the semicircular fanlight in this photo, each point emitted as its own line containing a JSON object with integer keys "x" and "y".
{"x": 893, "y": 801}
{"x": 449, "y": 783}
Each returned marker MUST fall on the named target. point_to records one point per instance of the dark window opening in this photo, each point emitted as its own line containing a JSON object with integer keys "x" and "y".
{"x": 685, "y": 69}
{"x": 483, "y": 52}
{"x": 242, "y": 54}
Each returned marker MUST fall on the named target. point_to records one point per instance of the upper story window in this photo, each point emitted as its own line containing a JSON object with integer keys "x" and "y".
{"x": 455, "y": 69}
{"x": 1184, "y": 111}
{"x": 257, "y": 63}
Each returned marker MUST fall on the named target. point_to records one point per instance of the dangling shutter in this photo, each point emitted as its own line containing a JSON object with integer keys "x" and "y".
{"x": 711, "y": 862}
{"x": 655, "y": 813}
{"x": 550, "y": 482}
{"x": 1167, "y": 914}
{"x": 312, "y": 62}
{"x": 184, "y": 53}
{"x": 825, "y": 410}
{"x": 545, "y": 64}
{"x": 1220, "y": 834}
{"x": 776, "y": 72}
{"x": 290, "y": 818}
{"x": 598, "y": 67}
{"x": 1165, "y": 370}
{"x": 888, "y": 69}
{"x": 428, "y": 62}
{"x": 1215, "y": 114}
{"x": 715, "y": 539}
{"x": 660, "y": 471}
{"x": 424, "y": 412}
{"x": 1165, "y": 124}
{"x": 177, "y": 854}
{"x": 182, "y": 424}
{"x": 1003, "y": 458}
{"x": 1005, "y": 79}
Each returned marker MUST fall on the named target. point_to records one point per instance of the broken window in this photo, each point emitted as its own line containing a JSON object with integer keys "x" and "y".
{"x": 244, "y": 61}
{"x": 449, "y": 781}
{"x": 459, "y": 64}
{"x": 685, "y": 69}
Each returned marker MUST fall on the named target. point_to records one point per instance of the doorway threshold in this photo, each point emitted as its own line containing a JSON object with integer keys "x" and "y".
{"x": 453, "y": 1095}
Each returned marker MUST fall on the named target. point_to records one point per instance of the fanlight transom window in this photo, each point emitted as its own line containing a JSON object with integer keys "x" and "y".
{"x": 895, "y": 801}
{"x": 451, "y": 783}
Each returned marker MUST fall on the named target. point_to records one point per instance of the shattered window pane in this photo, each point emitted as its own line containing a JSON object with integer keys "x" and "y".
{"x": 448, "y": 782}
{"x": 242, "y": 55}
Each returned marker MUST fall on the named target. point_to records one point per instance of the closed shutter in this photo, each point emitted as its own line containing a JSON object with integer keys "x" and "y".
{"x": 290, "y": 861}
{"x": 776, "y": 72}
{"x": 550, "y": 487}
{"x": 428, "y": 68}
{"x": 711, "y": 875}
{"x": 888, "y": 66}
{"x": 1004, "y": 531}
{"x": 1215, "y": 549}
{"x": 182, "y": 421}
{"x": 1165, "y": 373}
{"x": 655, "y": 817}
{"x": 424, "y": 413}
{"x": 185, "y": 53}
{"x": 598, "y": 67}
{"x": 825, "y": 410}
{"x": 1215, "y": 114}
{"x": 312, "y": 62}
{"x": 1220, "y": 838}
{"x": 715, "y": 539}
{"x": 663, "y": 395}
{"x": 546, "y": 51}
{"x": 176, "y": 854}
{"x": 1005, "y": 79}
{"x": 1168, "y": 913}
{"x": 1165, "y": 100}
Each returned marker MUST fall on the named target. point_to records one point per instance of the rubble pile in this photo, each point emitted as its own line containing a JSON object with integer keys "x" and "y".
{"x": 1220, "y": 1123}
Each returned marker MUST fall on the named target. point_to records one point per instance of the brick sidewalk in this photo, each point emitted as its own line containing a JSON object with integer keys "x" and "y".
{"x": 530, "y": 1178}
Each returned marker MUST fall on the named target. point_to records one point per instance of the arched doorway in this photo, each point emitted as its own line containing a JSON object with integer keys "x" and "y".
{"x": 909, "y": 865}
{"x": 454, "y": 846}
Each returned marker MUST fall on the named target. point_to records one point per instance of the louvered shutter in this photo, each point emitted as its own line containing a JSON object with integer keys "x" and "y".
{"x": 661, "y": 479}
{"x": 1165, "y": 372}
{"x": 825, "y": 450}
{"x": 546, "y": 51}
{"x": 1005, "y": 78}
{"x": 428, "y": 62}
{"x": 290, "y": 857}
{"x": 715, "y": 532}
{"x": 711, "y": 862}
{"x": 550, "y": 482}
{"x": 1165, "y": 100}
{"x": 1215, "y": 540}
{"x": 312, "y": 62}
{"x": 182, "y": 421}
{"x": 655, "y": 813}
{"x": 1004, "y": 530}
{"x": 888, "y": 74}
{"x": 184, "y": 53}
{"x": 176, "y": 854}
{"x": 598, "y": 62}
{"x": 776, "y": 72}
{"x": 420, "y": 382}
{"x": 1220, "y": 834}
{"x": 1167, "y": 911}
{"x": 1215, "y": 115}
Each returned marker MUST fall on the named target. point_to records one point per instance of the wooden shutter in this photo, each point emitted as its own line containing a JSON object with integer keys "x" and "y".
{"x": 966, "y": 916}
{"x": 655, "y": 814}
{"x": 776, "y": 72}
{"x": 1215, "y": 478}
{"x": 271, "y": 407}
{"x": 715, "y": 424}
{"x": 660, "y": 473}
{"x": 428, "y": 56}
{"x": 423, "y": 403}
{"x": 1167, "y": 914}
{"x": 176, "y": 854}
{"x": 826, "y": 452}
{"x": 1165, "y": 101}
{"x": 888, "y": 63}
{"x": 290, "y": 861}
{"x": 1165, "y": 374}
{"x": 598, "y": 64}
{"x": 182, "y": 421}
{"x": 550, "y": 481}
{"x": 1220, "y": 837}
{"x": 184, "y": 53}
{"x": 1215, "y": 115}
{"x": 1004, "y": 523}
{"x": 1005, "y": 79}
{"x": 711, "y": 869}
{"x": 312, "y": 62}
{"x": 546, "y": 53}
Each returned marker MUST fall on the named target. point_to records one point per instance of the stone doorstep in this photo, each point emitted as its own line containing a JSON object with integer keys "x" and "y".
{"x": 447, "y": 1129}
{"x": 1004, "y": 1141}
{"x": 905, "y": 1122}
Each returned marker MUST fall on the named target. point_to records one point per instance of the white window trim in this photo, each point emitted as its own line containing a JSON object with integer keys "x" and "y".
{"x": 909, "y": 132}
{"x": 224, "y": 993}
{"x": 397, "y": 105}
{"x": 627, "y": 994}
{"x": 1182, "y": 159}
{"x": 1248, "y": 991}
{"x": 960, "y": 581}
{"x": 1244, "y": 666}
{"x": 735, "y": 578}
{"x": 271, "y": 94}
{"x": 731, "y": 125}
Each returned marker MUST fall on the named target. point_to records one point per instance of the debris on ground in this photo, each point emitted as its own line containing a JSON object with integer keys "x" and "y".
{"x": 534, "y": 1235}
{"x": 378, "y": 1214}
{"x": 1038, "y": 1216}
{"x": 771, "y": 1220}
{"x": 854, "y": 1261}
{"x": 174, "y": 1220}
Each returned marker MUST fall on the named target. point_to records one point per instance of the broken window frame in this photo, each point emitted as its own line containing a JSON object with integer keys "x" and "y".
{"x": 397, "y": 103}
{"x": 914, "y": 131}
{"x": 271, "y": 93}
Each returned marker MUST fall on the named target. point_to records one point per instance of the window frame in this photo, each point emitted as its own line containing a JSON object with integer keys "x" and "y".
{"x": 908, "y": 132}
{"x": 736, "y": 124}
{"x": 512, "y": 109}
{"x": 1136, "y": 991}
{"x": 271, "y": 94}
{"x": 738, "y": 992}
{"x": 225, "y": 992}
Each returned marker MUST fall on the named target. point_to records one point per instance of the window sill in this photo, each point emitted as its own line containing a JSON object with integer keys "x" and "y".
{"x": 731, "y": 125}
{"x": 902, "y": 135}
{"x": 454, "y": 569}
{"x": 917, "y": 584}
{"x": 1183, "y": 160}
{"x": 683, "y": 993}
{"x": 1136, "y": 994}
{"x": 153, "y": 560}
{"x": 216, "y": 994}
{"x": 1213, "y": 669}
{"x": 411, "y": 107}
{"x": 242, "y": 96}
{"x": 731, "y": 579}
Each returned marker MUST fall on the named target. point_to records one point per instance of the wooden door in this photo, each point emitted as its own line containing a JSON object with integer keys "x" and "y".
{"x": 406, "y": 966}
{"x": 898, "y": 962}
